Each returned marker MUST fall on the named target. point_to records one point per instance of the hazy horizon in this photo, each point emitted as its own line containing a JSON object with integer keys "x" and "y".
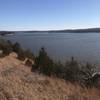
{"x": 17, "y": 15}
{"x": 52, "y": 29}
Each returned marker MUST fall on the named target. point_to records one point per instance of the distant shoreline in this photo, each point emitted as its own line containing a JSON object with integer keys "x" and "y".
{"x": 88, "y": 30}
{"x": 3, "y": 33}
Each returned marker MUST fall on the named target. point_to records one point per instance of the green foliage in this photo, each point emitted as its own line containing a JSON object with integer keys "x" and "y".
{"x": 21, "y": 53}
{"x": 17, "y": 48}
{"x": 29, "y": 54}
{"x": 7, "y": 47}
{"x": 72, "y": 71}
{"x": 59, "y": 70}
{"x": 44, "y": 63}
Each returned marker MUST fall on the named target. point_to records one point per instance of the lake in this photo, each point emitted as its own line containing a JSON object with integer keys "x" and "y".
{"x": 62, "y": 46}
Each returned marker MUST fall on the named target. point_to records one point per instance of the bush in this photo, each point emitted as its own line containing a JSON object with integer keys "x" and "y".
{"x": 72, "y": 70}
{"x": 6, "y": 47}
{"x": 59, "y": 70}
{"x": 17, "y": 48}
{"x": 21, "y": 53}
{"x": 29, "y": 54}
{"x": 87, "y": 71}
{"x": 43, "y": 63}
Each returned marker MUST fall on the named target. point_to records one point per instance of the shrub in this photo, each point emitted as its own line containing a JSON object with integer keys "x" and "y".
{"x": 16, "y": 47}
{"x": 21, "y": 53}
{"x": 59, "y": 70}
{"x": 29, "y": 54}
{"x": 6, "y": 47}
{"x": 72, "y": 70}
{"x": 43, "y": 63}
{"x": 87, "y": 73}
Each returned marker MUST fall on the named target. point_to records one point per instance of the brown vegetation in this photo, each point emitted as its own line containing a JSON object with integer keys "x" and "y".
{"x": 17, "y": 82}
{"x": 48, "y": 80}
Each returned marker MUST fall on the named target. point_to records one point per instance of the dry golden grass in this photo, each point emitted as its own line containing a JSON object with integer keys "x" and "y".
{"x": 17, "y": 82}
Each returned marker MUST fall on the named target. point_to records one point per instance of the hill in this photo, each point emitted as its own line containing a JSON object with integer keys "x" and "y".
{"x": 87, "y": 30}
{"x": 17, "y": 82}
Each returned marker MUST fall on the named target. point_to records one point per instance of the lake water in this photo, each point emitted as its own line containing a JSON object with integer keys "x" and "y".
{"x": 62, "y": 46}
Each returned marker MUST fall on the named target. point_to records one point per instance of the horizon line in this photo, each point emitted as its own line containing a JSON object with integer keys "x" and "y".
{"x": 53, "y": 29}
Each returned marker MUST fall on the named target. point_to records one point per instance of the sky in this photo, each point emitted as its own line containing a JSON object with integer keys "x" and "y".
{"x": 49, "y": 14}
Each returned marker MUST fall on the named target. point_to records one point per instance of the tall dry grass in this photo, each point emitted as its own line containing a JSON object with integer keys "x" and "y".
{"x": 17, "y": 82}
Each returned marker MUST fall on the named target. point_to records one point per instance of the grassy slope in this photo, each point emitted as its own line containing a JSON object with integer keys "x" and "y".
{"x": 17, "y": 82}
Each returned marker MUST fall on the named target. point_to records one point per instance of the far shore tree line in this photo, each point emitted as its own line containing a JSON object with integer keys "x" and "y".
{"x": 70, "y": 71}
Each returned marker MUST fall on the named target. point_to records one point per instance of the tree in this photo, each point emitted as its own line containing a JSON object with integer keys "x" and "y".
{"x": 6, "y": 47}
{"x": 17, "y": 48}
{"x": 44, "y": 63}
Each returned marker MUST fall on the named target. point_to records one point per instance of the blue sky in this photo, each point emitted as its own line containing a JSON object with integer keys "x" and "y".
{"x": 49, "y": 14}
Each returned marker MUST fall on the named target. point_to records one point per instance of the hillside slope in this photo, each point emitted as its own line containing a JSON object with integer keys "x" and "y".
{"x": 17, "y": 82}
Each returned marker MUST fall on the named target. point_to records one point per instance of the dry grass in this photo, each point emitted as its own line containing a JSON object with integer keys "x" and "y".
{"x": 17, "y": 82}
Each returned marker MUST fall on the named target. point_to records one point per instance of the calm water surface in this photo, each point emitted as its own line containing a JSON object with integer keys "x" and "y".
{"x": 62, "y": 46}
